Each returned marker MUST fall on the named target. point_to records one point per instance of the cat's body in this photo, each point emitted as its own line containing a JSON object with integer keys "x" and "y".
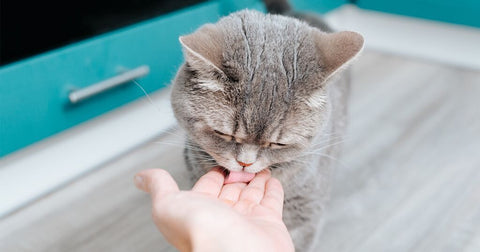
{"x": 258, "y": 89}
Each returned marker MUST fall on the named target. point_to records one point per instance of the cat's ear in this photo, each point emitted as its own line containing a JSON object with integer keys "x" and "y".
{"x": 203, "y": 49}
{"x": 337, "y": 49}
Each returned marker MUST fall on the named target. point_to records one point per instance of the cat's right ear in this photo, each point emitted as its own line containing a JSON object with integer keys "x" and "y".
{"x": 337, "y": 49}
{"x": 203, "y": 49}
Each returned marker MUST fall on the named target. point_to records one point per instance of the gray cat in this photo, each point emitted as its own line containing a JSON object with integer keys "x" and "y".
{"x": 265, "y": 91}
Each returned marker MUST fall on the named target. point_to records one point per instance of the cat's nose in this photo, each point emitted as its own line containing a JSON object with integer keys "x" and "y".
{"x": 244, "y": 164}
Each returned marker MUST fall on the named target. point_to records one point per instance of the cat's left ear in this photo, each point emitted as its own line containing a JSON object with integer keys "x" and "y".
{"x": 337, "y": 49}
{"x": 203, "y": 49}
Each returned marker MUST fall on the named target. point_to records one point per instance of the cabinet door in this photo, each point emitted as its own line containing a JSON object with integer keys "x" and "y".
{"x": 34, "y": 92}
{"x": 319, "y": 6}
{"x": 465, "y": 12}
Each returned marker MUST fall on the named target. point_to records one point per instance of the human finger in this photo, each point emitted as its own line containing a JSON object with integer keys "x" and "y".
{"x": 157, "y": 182}
{"x": 274, "y": 195}
{"x": 255, "y": 190}
{"x": 211, "y": 183}
{"x": 231, "y": 192}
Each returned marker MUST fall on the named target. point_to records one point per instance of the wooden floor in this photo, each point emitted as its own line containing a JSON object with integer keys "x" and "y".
{"x": 409, "y": 179}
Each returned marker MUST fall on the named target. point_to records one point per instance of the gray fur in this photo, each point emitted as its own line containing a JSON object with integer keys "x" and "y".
{"x": 267, "y": 79}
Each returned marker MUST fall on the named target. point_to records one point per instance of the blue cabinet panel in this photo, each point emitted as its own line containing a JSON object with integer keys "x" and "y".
{"x": 33, "y": 92}
{"x": 465, "y": 12}
{"x": 320, "y": 6}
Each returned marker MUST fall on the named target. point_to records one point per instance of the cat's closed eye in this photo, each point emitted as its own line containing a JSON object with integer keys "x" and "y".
{"x": 224, "y": 136}
{"x": 230, "y": 138}
{"x": 276, "y": 145}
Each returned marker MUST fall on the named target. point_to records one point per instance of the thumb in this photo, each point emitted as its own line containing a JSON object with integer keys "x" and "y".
{"x": 157, "y": 182}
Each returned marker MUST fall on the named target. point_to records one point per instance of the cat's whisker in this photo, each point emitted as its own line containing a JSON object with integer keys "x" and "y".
{"x": 321, "y": 143}
{"x": 205, "y": 159}
{"x": 182, "y": 145}
{"x": 320, "y": 148}
{"x": 317, "y": 150}
{"x": 309, "y": 162}
{"x": 169, "y": 143}
{"x": 174, "y": 131}
{"x": 150, "y": 100}
{"x": 329, "y": 139}
{"x": 341, "y": 163}
{"x": 204, "y": 155}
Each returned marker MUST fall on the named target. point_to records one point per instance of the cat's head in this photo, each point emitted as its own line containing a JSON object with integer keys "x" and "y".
{"x": 252, "y": 91}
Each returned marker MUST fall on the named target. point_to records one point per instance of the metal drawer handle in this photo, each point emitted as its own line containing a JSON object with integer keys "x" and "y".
{"x": 102, "y": 86}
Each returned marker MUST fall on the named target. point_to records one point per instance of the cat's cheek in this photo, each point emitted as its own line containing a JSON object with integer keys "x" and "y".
{"x": 218, "y": 158}
{"x": 258, "y": 166}
{"x": 284, "y": 155}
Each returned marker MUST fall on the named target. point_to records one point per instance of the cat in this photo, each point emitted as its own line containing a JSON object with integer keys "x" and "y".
{"x": 262, "y": 91}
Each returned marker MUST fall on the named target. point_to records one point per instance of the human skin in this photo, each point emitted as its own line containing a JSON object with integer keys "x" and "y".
{"x": 217, "y": 217}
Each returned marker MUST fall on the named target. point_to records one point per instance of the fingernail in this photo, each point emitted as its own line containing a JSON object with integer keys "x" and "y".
{"x": 139, "y": 182}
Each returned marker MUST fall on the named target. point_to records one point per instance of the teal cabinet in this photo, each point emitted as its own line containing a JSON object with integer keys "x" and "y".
{"x": 34, "y": 93}
{"x": 464, "y": 12}
{"x": 319, "y": 6}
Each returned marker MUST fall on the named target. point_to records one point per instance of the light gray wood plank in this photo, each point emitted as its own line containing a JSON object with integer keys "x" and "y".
{"x": 102, "y": 211}
{"x": 409, "y": 158}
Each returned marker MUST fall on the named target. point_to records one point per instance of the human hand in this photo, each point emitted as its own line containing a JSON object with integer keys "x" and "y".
{"x": 217, "y": 217}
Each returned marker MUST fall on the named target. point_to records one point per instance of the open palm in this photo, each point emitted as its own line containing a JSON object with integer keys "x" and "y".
{"x": 217, "y": 217}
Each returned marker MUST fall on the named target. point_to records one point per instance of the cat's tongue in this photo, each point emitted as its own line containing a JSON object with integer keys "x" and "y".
{"x": 239, "y": 177}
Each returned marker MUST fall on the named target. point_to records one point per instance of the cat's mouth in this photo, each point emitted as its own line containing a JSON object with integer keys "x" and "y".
{"x": 237, "y": 176}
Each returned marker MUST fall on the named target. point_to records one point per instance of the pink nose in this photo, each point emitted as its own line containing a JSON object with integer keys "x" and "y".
{"x": 243, "y": 164}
